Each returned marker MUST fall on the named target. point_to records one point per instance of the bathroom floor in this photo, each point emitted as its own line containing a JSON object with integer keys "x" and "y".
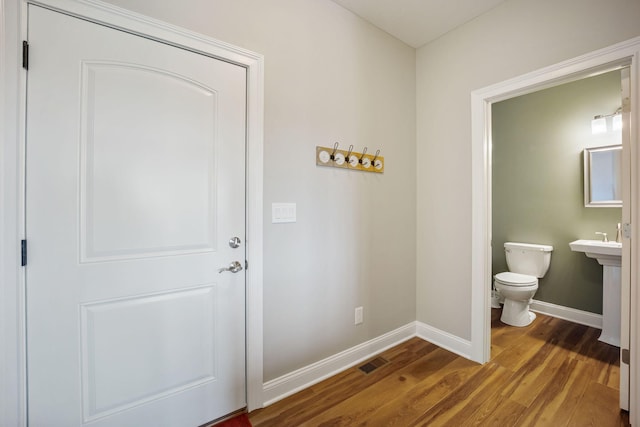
{"x": 550, "y": 373}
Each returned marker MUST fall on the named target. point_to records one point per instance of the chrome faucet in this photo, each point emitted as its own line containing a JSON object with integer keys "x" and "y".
{"x": 604, "y": 236}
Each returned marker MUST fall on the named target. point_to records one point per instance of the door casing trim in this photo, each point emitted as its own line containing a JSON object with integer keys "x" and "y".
{"x": 13, "y": 28}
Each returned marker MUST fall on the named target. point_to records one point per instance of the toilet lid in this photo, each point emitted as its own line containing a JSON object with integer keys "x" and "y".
{"x": 516, "y": 279}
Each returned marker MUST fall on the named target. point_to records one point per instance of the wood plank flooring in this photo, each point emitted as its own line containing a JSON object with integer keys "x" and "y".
{"x": 551, "y": 373}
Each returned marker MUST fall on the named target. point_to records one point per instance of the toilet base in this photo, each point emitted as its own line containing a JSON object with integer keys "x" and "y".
{"x": 516, "y": 313}
{"x": 495, "y": 299}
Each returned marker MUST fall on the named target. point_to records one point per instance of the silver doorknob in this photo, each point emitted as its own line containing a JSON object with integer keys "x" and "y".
{"x": 234, "y": 267}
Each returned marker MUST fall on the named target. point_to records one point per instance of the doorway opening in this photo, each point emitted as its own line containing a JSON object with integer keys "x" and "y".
{"x": 596, "y": 63}
{"x": 538, "y": 141}
{"x": 537, "y": 151}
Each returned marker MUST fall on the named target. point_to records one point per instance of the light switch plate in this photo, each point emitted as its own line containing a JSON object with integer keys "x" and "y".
{"x": 359, "y": 315}
{"x": 283, "y": 212}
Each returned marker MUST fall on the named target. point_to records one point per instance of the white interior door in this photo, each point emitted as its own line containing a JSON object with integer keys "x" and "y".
{"x": 134, "y": 186}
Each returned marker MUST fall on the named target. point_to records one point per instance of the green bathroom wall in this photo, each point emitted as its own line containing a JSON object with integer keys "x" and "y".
{"x": 537, "y": 183}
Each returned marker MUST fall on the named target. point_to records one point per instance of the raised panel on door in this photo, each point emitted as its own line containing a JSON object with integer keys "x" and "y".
{"x": 135, "y": 183}
{"x": 162, "y": 199}
{"x": 123, "y": 368}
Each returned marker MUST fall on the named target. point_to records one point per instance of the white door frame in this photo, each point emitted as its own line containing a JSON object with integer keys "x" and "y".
{"x": 622, "y": 53}
{"x": 13, "y": 401}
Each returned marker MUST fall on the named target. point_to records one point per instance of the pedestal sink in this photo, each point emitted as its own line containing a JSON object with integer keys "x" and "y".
{"x": 609, "y": 255}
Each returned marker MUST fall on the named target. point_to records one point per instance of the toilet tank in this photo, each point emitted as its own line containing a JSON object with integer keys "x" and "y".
{"x": 528, "y": 258}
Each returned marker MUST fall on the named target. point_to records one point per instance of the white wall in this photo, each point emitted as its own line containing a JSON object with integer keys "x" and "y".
{"x": 329, "y": 76}
{"x": 515, "y": 38}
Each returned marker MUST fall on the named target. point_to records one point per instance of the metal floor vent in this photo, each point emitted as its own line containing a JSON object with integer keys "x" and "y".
{"x": 372, "y": 365}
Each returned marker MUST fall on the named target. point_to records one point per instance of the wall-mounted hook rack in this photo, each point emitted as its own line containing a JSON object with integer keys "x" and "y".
{"x": 349, "y": 159}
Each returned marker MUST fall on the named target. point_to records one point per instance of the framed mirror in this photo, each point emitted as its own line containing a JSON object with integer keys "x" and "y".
{"x": 602, "y": 176}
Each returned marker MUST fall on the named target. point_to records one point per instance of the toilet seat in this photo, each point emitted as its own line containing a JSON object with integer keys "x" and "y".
{"x": 515, "y": 279}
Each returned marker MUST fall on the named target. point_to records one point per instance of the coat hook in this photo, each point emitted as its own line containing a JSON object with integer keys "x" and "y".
{"x": 350, "y": 150}
{"x": 373, "y": 161}
{"x": 352, "y": 160}
{"x": 333, "y": 154}
{"x": 364, "y": 151}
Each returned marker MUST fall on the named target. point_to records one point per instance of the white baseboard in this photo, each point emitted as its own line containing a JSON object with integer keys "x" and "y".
{"x": 571, "y": 314}
{"x": 293, "y": 382}
{"x": 444, "y": 339}
{"x": 286, "y": 385}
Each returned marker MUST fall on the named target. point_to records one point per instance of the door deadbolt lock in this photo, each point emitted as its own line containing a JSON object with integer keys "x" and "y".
{"x": 234, "y": 242}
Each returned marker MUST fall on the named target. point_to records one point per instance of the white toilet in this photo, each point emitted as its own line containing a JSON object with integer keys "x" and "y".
{"x": 527, "y": 262}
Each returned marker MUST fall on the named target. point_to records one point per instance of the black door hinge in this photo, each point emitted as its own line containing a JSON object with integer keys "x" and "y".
{"x": 625, "y": 356}
{"x": 246, "y": 264}
{"x": 25, "y": 55}
{"x": 23, "y": 250}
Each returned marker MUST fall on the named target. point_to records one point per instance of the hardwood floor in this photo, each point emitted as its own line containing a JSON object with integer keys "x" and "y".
{"x": 551, "y": 373}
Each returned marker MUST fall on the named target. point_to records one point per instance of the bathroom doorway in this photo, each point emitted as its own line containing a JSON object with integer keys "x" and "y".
{"x": 596, "y": 63}
{"x": 537, "y": 187}
{"x": 537, "y": 180}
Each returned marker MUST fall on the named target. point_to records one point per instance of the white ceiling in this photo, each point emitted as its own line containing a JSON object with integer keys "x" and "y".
{"x": 417, "y": 22}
